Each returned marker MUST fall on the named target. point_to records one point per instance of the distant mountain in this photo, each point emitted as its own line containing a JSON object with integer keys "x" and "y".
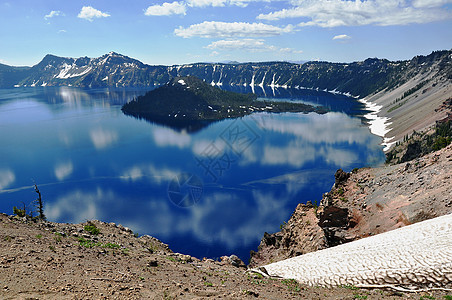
{"x": 9, "y": 76}
{"x": 113, "y": 69}
{"x": 191, "y": 104}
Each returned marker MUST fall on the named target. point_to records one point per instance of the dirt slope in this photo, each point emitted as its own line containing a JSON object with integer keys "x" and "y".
{"x": 46, "y": 260}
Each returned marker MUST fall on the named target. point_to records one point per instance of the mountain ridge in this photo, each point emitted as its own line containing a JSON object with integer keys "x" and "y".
{"x": 360, "y": 78}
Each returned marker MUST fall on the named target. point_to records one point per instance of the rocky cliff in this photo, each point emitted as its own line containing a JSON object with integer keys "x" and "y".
{"x": 362, "y": 203}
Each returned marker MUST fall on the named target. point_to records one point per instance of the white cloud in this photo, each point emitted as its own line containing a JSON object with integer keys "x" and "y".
{"x": 6, "y": 178}
{"x": 90, "y": 13}
{"x": 290, "y": 50}
{"x": 62, "y": 31}
{"x": 243, "y": 44}
{"x": 63, "y": 170}
{"x": 333, "y": 13}
{"x": 166, "y": 9}
{"x": 205, "y": 3}
{"x": 103, "y": 138}
{"x": 252, "y": 45}
{"x": 430, "y": 3}
{"x": 213, "y": 29}
{"x": 53, "y": 13}
{"x": 223, "y": 3}
{"x": 220, "y": 3}
{"x": 341, "y": 37}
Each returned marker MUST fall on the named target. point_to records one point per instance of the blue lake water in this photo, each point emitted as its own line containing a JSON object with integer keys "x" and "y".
{"x": 209, "y": 193}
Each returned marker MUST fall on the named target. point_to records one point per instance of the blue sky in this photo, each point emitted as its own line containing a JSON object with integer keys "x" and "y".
{"x": 187, "y": 31}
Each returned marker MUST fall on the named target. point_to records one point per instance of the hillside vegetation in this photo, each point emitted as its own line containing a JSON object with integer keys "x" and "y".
{"x": 190, "y": 102}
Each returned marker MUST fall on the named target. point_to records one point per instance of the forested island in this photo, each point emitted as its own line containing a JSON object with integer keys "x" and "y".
{"x": 190, "y": 103}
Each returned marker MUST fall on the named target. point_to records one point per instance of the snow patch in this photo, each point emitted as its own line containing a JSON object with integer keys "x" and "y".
{"x": 70, "y": 71}
{"x": 181, "y": 82}
{"x": 378, "y": 125}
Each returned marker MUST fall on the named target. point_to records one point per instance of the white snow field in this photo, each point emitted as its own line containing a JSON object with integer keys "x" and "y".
{"x": 416, "y": 255}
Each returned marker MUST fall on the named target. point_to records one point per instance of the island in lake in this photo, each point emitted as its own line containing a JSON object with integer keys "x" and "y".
{"x": 191, "y": 104}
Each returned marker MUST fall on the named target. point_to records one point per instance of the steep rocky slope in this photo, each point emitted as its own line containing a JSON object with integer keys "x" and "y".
{"x": 365, "y": 202}
{"x": 417, "y": 102}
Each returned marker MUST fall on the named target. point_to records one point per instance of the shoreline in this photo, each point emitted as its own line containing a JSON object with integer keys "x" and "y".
{"x": 378, "y": 125}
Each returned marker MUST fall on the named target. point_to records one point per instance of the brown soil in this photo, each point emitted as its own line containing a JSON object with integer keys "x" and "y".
{"x": 44, "y": 260}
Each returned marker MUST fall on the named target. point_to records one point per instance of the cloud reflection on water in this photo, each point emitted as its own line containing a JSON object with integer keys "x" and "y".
{"x": 330, "y": 128}
{"x": 63, "y": 170}
{"x": 155, "y": 174}
{"x": 168, "y": 137}
{"x": 7, "y": 177}
{"x": 78, "y": 206}
{"x": 221, "y": 218}
{"x": 103, "y": 138}
{"x": 309, "y": 138}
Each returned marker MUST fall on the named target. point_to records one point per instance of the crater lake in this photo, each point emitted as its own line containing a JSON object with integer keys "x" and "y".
{"x": 208, "y": 193}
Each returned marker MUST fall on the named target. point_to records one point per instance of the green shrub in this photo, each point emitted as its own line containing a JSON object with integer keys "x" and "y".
{"x": 19, "y": 212}
{"x": 87, "y": 243}
{"x": 92, "y": 229}
{"x": 292, "y": 285}
{"x": 111, "y": 246}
